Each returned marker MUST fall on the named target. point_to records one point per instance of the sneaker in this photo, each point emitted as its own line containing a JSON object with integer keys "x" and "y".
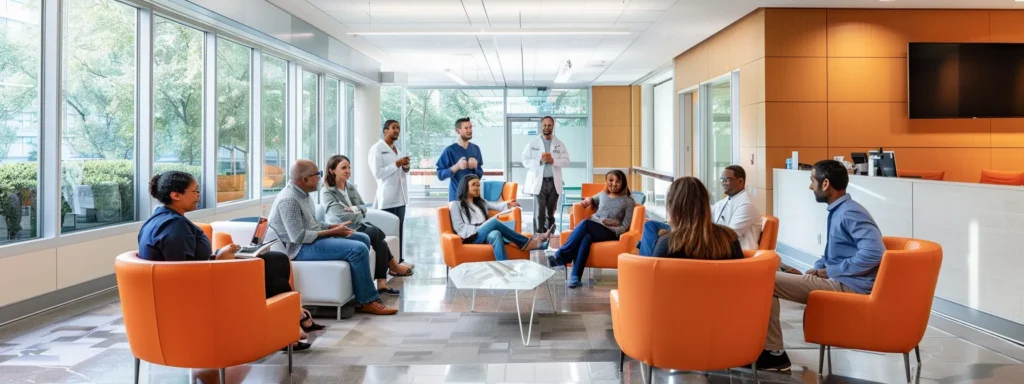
{"x": 574, "y": 282}
{"x": 769, "y": 362}
{"x": 376, "y": 307}
{"x": 552, "y": 261}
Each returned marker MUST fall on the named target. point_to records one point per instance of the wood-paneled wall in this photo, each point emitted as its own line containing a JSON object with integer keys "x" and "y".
{"x": 738, "y": 46}
{"x": 837, "y": 83}
{"x": 616, "y": 121}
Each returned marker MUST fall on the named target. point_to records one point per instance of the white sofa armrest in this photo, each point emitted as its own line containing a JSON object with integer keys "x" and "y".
{"x": 386, "y": 221}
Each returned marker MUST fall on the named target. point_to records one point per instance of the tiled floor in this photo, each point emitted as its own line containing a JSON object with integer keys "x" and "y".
{"x": 435, "y": 339}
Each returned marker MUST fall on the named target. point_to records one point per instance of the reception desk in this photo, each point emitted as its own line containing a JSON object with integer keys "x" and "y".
{"x": 980, "y": 228}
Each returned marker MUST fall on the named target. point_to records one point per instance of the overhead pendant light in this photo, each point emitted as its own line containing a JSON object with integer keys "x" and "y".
{"x": 455, "y": 78}
{"x": 489, "y": 31}
{"x": 564, "y": 73}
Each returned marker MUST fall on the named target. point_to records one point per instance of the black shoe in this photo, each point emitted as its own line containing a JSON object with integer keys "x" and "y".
{"x": 299, "y": 346}
{"x": 389, "y": 291}
{"x": 552, "y": 262}
{"x": 769, "y": 362}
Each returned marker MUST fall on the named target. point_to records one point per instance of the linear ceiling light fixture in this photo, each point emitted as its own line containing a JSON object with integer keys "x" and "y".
{"x": 490, "y": 31}
{"x": 456, "y": 78}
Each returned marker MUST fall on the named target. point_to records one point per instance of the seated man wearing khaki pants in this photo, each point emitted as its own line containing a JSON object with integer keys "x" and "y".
{"x": 850, "y": 264}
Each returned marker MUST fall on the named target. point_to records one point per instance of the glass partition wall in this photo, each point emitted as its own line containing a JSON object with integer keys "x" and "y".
{"x": 130, "y": 92}
{"x": 504, "y": 121}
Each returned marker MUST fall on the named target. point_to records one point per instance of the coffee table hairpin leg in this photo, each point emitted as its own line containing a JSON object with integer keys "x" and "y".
{"x": 519, "y": 313}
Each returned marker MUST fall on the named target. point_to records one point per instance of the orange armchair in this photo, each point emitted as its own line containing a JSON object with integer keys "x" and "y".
{"x": 1001, "y": 177}
{"x": 605, "y": 254}
{"x": 769, "y": 233}
{"x": 203, "y": 314}
{"x": 509, "y": 191}
{"x": 653, "y": 319}
{"x": 455, "y": 252}
{"x": 924, "y": 175}
{"x": 893, "y": 318}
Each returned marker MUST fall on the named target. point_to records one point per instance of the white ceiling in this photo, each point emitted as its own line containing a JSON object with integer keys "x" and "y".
{"x": 659, "y": 31}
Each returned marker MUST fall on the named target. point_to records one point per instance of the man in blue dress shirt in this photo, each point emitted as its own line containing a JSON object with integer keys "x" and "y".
{"x": 850, "y": 263}
{"x": 460, "y": 159}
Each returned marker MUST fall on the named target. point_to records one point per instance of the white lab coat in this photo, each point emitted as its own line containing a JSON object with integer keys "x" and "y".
{"x": 738, "y": 213}
{"x": 392, "y": 181}
{"x": 534, "y": 168}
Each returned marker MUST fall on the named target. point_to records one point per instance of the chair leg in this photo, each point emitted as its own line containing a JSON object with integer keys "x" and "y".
{"x": 906, "y": 364}
{"x": 339, "y": 313}
{"x": 223, "y": 376}
{"x": 289, "y": 359}
{"x": 622, "y": 360}
{"x": 917, "y": 351}
{"x": 829, "y": 349}
{"x": 650, "y": 373}
{"x": 821, "y": 360}
{"x": 754, "y": 367}
{"x": 137, "y": 363}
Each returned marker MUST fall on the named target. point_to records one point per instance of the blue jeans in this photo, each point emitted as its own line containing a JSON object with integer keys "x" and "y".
{"x": 351, "y": 250}
{"x": 577, "y": 247}
{"x": 495, "y": 233}
{"x": 650, "y": 236}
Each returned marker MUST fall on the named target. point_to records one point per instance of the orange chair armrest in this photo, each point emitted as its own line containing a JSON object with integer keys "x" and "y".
{"x": 451, "y": 245}
{"x": 283, "y": 313}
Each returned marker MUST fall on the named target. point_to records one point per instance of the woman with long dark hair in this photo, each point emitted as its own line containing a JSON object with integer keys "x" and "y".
{"x": 693, "y": 234}
{"x": 170, "y": 236}
{"x": 344, "y": 204}
{"x": 472, "y": 221}
{"x": 614, "y": 213}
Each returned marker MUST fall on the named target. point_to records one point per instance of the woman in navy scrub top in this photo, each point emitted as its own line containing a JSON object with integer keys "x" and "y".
{"x": 170, "y": 236}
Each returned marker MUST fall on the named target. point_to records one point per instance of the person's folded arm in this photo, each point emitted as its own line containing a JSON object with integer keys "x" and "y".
{"x": 869, "y": 247}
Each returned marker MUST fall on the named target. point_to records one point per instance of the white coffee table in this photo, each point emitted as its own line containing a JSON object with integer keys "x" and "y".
{"x": 513, "y": 275}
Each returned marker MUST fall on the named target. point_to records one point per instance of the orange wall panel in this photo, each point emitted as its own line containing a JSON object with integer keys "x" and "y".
{"x": 888, "y": 125}
{"x": 752, "y": 82}
{"x": 1007, "y": 159}
{"x": 867, "y": 79}
{"x": 611, "y": 135}
{"x": 755, "y": 172}
{"x": 751, "y": 121}
{"x": 885, "y": 33}
{"x": 794, "y": 33}
{"x": 795, "y": 79}
{"x": 719, "y": 62}
{"x": 1008, "y": 133}
{"x": 798, "y": 124}
{"x": 746, "y": 42}
{"x": 612, "y": 156}
{"x": 1006, "y": 26}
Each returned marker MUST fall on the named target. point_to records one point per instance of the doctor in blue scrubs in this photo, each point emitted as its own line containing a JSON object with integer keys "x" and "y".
{"x": 460, "y": 159}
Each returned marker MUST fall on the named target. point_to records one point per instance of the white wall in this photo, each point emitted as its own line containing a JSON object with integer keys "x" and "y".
{"x": 978, "y": 226}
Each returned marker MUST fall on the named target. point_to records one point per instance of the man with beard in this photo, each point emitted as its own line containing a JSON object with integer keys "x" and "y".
{"x": 544, "y": 158}
{"x": 391, "y": 169}
{"x": 460, "y": 159}
{"x": 850, "y": 263}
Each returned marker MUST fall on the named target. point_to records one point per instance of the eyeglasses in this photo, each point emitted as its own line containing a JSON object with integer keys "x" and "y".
{"x": 196, "y": 191}
{"x": 317, "y": 174}
{"x": 729, "y": 179}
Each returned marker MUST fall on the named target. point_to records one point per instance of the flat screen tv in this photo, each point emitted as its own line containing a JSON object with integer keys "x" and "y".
{"x": 965, "y": 80}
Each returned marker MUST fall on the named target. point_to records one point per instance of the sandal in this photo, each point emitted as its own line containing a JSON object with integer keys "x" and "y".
{"x": 389, "y": 291}
{"x": 533, "y": 240}
{"x": 298, "y": 346}
{"x": 313, "y": 327}
{"x": 408, "y": 272}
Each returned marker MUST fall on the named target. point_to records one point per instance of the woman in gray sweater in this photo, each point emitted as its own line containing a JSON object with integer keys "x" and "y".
{"x": 614, "y": 213}
{"x": 343, "y": 203}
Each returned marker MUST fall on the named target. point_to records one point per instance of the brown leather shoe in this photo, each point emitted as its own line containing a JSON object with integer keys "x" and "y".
{"x": 377, "y": 308}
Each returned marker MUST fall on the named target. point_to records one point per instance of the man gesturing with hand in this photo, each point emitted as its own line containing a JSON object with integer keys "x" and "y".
{"x": 460, "y": 159}
{"x": 292, "y": 218}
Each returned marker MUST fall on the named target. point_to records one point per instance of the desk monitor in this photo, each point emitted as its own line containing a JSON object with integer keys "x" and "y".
{"x": 859, "y": 157}
{"x": 885, "y": 161}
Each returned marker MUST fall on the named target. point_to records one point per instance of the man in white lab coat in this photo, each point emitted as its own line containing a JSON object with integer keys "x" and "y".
{"x": 390, "y": 167}
{"x": 544, "y": 158}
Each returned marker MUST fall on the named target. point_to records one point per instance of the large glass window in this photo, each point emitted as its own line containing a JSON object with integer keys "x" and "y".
{"x": 309, "y": 117}
{"x": 664, "y": 153}
{"x": 391, "y": 103}
{"x": 177, "y": 98}
{"x": 98, "y": 152}
{"x": 20, "y": 42}
{"x": 332, "y": 118}
{"x": 350, "y": 119}
{"x": 430, "y": 127}
{"x": 549, "y": 102}
{"x": 718, "y": 136}
{"x": 233, "y": 100}
{"x": 275, "y": 113}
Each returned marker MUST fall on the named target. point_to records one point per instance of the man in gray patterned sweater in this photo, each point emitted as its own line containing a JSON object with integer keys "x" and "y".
{"x": 293, "y": 219}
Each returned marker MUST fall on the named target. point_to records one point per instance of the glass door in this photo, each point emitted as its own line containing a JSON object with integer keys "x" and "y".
{"x": 521, "y": 131}
{"x": 718, "y": 135}
{"x": 571, "y": 131}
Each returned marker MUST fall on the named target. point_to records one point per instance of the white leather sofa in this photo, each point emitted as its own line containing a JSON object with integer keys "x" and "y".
{"x": 327, "y": 283}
